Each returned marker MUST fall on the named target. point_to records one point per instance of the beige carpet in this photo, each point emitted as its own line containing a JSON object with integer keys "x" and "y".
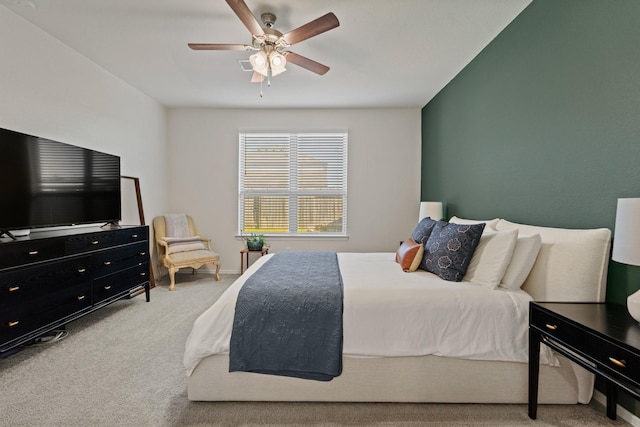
{"x": 122, "y": 366}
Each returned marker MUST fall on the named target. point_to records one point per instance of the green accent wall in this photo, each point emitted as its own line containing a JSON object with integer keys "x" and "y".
{"x": 543, "y": 126}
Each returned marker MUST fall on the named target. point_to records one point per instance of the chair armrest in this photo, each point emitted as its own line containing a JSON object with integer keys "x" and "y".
{"x": 206, "y": 242}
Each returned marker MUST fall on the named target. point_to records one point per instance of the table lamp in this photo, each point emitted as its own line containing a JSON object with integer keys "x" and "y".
{"x": 626, "y": 244}
{"x": 432, "y": 210}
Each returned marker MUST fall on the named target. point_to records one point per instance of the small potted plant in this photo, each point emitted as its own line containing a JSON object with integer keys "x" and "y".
{"x": 255, "y": 242}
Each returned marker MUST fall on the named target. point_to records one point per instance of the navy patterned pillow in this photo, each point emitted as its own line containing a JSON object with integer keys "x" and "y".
{"x": 449, "y": 249}
{"x": 423, "y": 230}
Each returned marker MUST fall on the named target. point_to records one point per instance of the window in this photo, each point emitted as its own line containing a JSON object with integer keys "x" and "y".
{"x": 293, "y": 183}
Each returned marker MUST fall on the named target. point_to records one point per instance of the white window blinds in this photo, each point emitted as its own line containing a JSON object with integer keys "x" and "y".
{"x": 293, "y": 183}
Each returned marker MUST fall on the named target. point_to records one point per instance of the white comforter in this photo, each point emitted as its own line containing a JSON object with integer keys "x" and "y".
{"x": 388, "y": 312}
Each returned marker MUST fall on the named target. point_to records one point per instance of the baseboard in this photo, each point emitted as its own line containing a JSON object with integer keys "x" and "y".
{"x": 622, "y": 412}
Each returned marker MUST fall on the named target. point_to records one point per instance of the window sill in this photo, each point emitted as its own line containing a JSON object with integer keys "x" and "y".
{"x": 300, "y": 236}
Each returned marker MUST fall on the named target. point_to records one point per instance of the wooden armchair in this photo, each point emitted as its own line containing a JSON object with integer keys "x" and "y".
{"x": 176, "y": 253}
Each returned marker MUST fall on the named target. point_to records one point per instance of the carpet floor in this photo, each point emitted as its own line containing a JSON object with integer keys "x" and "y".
{"x": 122, "y": 366}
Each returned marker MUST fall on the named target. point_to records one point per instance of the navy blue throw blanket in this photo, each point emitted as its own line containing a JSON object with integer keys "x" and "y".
{"x": 288, "y": 318}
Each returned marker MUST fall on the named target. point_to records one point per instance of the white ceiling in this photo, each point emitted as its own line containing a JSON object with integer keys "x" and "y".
{"x": 384, "y": 53}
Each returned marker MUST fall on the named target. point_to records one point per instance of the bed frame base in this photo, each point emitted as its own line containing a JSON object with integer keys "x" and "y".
{"x": 397, "y": 379}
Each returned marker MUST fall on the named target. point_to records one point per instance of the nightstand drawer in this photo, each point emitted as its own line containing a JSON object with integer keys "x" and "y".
{"x": 610, "y": 357}
{"x": 561, "y": 330}
{"x": 618, "y": 361}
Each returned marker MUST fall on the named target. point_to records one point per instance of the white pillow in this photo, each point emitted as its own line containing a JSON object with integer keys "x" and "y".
{"x": 491, "y": 258}
{"x": 524, "y": 256}
{"x": 571, "y": 265}
{"x": 491, "y": 223}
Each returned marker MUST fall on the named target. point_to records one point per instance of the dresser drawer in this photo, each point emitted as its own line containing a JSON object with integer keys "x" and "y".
{"x": 40, "y": 285}
{"x": 89, "y": 242}
{"x": 132, "y": 235}
{"x": 14, "y": 254}
{"x": 108, "y": 261}
{"x": 29, "y": 318}
{"x": 114, "y": 284}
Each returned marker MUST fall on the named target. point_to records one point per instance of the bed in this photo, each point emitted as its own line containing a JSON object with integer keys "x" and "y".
{"x": 386, "y": 360}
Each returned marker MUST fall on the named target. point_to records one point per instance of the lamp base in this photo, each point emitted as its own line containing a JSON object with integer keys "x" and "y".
{"x": 633, "y": 305}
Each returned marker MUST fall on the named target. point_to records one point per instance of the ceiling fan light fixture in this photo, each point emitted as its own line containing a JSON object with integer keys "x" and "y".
{"x": 259, "y": 62}
{"x": 277, "y": 62}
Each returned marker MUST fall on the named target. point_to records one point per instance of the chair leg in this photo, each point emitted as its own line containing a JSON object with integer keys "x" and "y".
{"x": 172, "y": 276}
{"x": 217, "y": 271}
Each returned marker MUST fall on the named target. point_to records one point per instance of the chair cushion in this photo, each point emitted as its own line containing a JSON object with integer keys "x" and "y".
{"x": 196, "y": 257}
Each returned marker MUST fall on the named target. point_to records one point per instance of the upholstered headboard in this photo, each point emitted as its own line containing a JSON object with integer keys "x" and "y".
{"x": 571, "y": 265}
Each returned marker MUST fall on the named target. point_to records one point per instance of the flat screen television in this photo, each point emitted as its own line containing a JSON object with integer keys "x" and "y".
{"x": 45, "y": 183}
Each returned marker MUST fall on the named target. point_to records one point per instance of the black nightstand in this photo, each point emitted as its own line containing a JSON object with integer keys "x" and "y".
{"x": 603, "y": 338}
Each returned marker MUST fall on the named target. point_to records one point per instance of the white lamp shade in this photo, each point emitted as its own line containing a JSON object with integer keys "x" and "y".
{"x": 626, "y": 240}
{"x": 259, "y": 62}
{"x": 278, "y": 63}
{"x": 432, "y": 210}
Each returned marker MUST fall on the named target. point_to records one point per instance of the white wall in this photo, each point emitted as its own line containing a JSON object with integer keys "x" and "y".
{"x": 49, "y": 90}
{"x": 383, "y": 177}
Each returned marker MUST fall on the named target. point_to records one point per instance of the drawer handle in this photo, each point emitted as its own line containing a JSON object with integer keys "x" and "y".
{"x": 143, "y": 274}
{"x": 15, "y": 323}
{"x": 107, "y": 263}
{"x": 95, "y": 242}
{"x": 14, "y": 288}
{"x": 80, "y": 297}
{"x": 82, "y": 270}
{"x": 106, "y": 288}
{"x": 551, "y": 327}
{"x": 143, "y": 253}
{"x": 618, "y": 363}
{"x": 134, "y": 236}
{"x": 33, "y": 252}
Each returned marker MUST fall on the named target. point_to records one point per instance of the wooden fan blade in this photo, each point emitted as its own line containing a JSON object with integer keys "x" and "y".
{"x": 215, "y": 46}
{"x": 313, "y": 28}
{"x": 307, "y": 63}
{"x": 244, "y": 13}
{"x": 257, "y": 77}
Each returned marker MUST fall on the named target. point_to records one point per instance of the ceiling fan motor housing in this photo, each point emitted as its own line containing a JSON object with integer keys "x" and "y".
{"x": 268, "y": 19}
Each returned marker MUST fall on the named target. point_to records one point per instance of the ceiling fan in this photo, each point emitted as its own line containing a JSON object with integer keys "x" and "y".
{"x": 270, "y": 44}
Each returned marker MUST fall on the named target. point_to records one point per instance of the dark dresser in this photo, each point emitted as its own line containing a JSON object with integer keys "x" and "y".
{"x": 53, "y": 277}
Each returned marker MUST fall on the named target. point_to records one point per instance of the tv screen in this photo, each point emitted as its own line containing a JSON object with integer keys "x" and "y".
{"x": 45, "y": 183}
